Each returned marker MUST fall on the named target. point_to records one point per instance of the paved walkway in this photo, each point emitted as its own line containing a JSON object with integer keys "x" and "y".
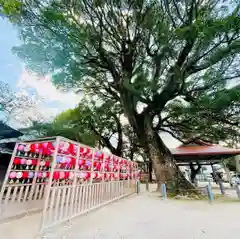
{"x": 141, "y": 217}
{"x": 24, "y": 228}
{"x": 147, "y": 216}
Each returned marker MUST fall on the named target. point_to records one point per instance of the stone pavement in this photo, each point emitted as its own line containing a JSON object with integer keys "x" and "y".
{"x": 147, "y": 216}
{"x": 143, "y": 216}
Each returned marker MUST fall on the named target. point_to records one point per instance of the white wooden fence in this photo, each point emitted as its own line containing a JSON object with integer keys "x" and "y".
{"x": 63, "y": 179}
{"x": 65, "y": 203}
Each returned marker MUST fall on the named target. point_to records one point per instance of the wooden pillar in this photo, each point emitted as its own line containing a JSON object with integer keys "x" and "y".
{"x": 237, "y": 159}
{"x": 215, "y": 177}
{"x": 227, "y": 172}
{"x": 150, "y": 172}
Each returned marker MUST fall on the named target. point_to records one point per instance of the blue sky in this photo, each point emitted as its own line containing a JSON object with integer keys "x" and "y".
{"x": 13, "y": 73}
{"x": 10, "y": 65}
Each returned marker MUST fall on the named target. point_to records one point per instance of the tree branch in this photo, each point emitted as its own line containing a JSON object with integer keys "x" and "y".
{"x": 209, "y": 86}
{"x": 119, "y": 148}
{"x": 99, "y": 48}
{"x": 105, "y": 142}
{"x": 166, "y": 5}
{"x": 215, "y": 58}
{"x": 172, "y": 134}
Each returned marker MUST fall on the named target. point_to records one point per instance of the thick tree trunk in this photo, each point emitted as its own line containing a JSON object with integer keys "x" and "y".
{"x": 194, "y": 172}
{"x": 150, "y": 172}
{"x": 164, "y": 165}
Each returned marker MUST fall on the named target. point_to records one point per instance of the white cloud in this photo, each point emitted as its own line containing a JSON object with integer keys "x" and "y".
{"x": 28, "y": 107}
{"x": 46, "y": 90}
{"x": 38, "y": 99}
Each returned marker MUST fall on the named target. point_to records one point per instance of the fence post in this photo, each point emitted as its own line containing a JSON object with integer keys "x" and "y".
{"x": 147, "y": 186}
{"x": 238, "y": 191}
{"x": 164, "y": 191}
{"x": 210, "y": 193}
{"x": 138, "y": 186}
{"x": 222, "y": 188}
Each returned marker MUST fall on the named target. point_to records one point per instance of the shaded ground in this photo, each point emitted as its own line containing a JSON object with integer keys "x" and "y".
{"x": 141, "y": 217}
{"x": 229, "y": 192}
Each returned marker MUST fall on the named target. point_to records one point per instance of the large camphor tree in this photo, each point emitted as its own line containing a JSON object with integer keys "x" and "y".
{"x": 173, "y": 65}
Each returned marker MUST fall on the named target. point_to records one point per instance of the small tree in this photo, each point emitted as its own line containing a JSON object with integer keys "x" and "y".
{"x": 61, "y": 126}
{"x": 88, "y": 124}
{"x": 19, "y": 106}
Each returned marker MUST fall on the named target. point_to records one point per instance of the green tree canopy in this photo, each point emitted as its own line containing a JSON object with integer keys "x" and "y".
{"x": 62, "y": 126}
{"x": 10, "y": 7}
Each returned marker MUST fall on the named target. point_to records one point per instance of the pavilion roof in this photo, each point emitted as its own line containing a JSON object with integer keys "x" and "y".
{"x": 199, "y": 150}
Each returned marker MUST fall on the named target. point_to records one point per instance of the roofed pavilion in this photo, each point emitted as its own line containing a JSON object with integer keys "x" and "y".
{"x": 201, "y": 152}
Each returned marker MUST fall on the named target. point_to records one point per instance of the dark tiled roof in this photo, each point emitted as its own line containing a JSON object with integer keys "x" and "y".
{"x": 8, "y": 132}
{"x": 201, "y": 149}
